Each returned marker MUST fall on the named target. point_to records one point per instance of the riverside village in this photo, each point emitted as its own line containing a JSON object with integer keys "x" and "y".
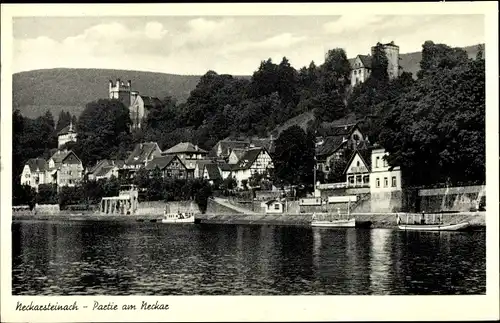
{"x": 331, "y": 173}
{"x": 313, "y": 155}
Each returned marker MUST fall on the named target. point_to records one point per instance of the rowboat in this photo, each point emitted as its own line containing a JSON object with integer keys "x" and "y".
{"x": 431, "y": 226}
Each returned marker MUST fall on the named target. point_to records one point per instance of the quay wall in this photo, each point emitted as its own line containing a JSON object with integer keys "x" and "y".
{"x": 373, "y": 220}
{"x": 451, "y": 199}
{"x": 47, "y": 209}
{"x": 158, "y": 207}
{"x": 367, "y": 220}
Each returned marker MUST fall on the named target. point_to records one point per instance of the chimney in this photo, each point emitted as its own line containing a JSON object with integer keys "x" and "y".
{"x": 129, "y": 83}
{"x": 118, "y": 83}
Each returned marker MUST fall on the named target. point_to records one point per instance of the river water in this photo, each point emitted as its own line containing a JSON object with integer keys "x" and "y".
{"x": 133, "y": 258}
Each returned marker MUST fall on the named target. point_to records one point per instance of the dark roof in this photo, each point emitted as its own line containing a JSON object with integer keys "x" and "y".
{"x": 225, "y": 167}
{"x": 330, "y": 145}
{"x": 365, "y": 155}
{"x": 60, "y": 155}
{"x": 366, "y": 60}
{"x": 184, "y": 147}
{"x": 151, "y": 102}
{"x": 272, "y": 201}
{"x": 248, "y": 158}
{"x": 161, "y": 162}
{"x": 68, "y": 129}
{"x": 141, "y": 152}
{"x": 227, "y": 145}
{"x": 37, "y": 164}
{"x": 213, "y": 171}
{"x": 340, "y": 130}
{"x": 104, "y": 170}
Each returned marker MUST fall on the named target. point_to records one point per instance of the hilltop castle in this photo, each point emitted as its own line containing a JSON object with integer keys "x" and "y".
{"x": 361, "y": 66}
{"x": 138, "y": 105}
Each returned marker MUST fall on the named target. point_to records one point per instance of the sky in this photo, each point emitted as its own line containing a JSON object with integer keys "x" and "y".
{"x": 193, "y": 45}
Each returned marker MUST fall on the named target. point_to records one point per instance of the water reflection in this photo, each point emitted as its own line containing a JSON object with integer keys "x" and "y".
{"x": 85, "y": 258}
{"x": 380, "y": 261}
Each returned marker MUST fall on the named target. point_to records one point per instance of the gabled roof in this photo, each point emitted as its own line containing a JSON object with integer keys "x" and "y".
{"x": 141, "y": 152}
{"x": 104, "y": 170}
{"x": 213, "y": 171}
{"x": 151, "y": 102}
{"x": 185, "y": 147}
{"x": 227, "y": 145}
{"x": 366, "y": 60}
{"x": 161, "y": 162}
{"x": 61, "y": 155}
{"x": 365, "y": 155}
{"x": 68, "y": 129}
{"x": 339, "y": 130}
{"x": 238, "y": 152}
{"x": 330, "y": 145}
{"x": 37, "y": 164}
{"x": 224, "y": 167}
{"x": 246, "y": 161}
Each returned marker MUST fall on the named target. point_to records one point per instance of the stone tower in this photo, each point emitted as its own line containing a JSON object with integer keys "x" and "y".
{"x": 392, "y": 53}
{"x": 121, "y": 91}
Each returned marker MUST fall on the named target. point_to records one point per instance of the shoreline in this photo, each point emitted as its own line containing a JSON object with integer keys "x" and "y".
{"x": 363, "y": 220}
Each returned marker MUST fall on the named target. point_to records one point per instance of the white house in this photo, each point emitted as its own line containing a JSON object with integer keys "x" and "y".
{"x": 274, "y": 207}
{"x": 64, "y": 169}
{"x": 382, "y": 178}
{"x": 385, "y": 184}
{"x": 255, "y": 160}
{"x": 34, "y": 172}
{"x": 67, "y": 134}
{"x": 358, "y": 169}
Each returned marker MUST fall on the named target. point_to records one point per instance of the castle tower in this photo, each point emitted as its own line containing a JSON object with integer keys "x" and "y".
{"x": 392, "y": 53}
{"x": 121, "y": 91}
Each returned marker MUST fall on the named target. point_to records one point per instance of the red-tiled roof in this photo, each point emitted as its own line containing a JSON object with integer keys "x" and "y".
{"x": 330, "y": 145}
{"x": 162, "y": 161}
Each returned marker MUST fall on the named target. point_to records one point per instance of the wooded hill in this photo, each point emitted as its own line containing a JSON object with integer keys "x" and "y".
{"x": 68, "y": 89}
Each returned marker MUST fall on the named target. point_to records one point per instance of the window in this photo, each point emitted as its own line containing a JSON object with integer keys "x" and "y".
{"x": 358, "y": 179}
{"x": 385, "y": 163}
{"x": 366, "y": 179}
{"x": 393, "y": 181}
{"x": 376, "y": 161}
{"x": 351, "y": 179}
{"x": 357, "y": 163}
{"x": 386, "y": 182}
{"x": 276, "y": 206}
{"x": 378, "y": 183}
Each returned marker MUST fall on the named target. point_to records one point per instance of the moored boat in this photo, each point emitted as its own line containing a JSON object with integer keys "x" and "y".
{"x": 178, "y": 218}
{"x": 335, "y": 223}
{"x": 435, "y": 225}
{"x": 328, "y": 220}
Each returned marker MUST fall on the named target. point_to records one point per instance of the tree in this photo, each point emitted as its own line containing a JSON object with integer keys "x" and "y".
{"x": 47, "y": 194}
{"x": 103, "y": 131}
{"x": 436, "y": 130}
{"x": 63, "y": 120}
{"x": 23, "y": 195}
{"x": 294, "y": 157}
{"x": 436, "y": 57}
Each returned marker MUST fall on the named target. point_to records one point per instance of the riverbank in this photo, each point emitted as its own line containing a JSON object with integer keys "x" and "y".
{"x": 367, "y": 220}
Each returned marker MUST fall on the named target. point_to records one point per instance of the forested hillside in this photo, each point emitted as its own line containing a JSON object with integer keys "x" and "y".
{"x": 432, "y": 124}
{"x": 35, "y": 92}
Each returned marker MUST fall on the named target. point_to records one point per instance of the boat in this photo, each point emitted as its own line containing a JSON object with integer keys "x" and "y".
{"x": 178, "y": 218}
{"x": 435, "y": 225}
{"x": 328, "y": 220}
